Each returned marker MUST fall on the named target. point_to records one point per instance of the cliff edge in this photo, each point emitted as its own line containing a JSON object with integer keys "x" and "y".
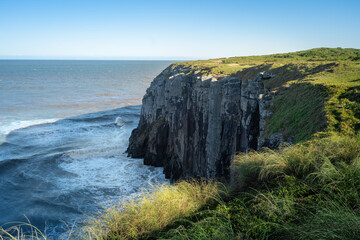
{"x": 193, "y": 124}
{"x": 196, "y": 115}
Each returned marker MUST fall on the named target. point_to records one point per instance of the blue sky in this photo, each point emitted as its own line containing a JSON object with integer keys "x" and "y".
{"x": 109, "y": 29}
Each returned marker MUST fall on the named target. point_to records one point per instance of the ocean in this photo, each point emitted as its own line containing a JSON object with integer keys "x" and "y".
{"x": 64, "y": 130}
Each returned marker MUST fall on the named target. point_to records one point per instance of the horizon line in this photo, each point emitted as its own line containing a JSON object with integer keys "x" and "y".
{"x": 152, "y": 58}
{"x": 90, "y": 59}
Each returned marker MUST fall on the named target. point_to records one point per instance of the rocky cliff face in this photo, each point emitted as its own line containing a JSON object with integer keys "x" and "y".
{"x": 192, "y": 125}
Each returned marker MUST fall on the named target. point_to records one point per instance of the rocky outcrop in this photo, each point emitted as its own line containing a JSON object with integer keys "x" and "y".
{"x": 192, "y": 125}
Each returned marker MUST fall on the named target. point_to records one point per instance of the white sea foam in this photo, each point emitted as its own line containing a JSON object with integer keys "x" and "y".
{"x": 119, "y": 175}
{"x": 101, "y": 165}
{"x": 6, "y": 128}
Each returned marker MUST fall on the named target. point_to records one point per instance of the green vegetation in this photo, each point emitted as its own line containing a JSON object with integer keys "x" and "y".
{"x": 303, "y": 59}
{"x": 316, "y": 90}
{"x": 299, "y": 111}
{"x": 152, "y": 211}
{"x": 17, "y": 232}
{"x": 309, "y": 190}
{"x": 305, "y": 191}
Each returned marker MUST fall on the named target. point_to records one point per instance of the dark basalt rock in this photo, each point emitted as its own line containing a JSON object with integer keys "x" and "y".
{"x": 192, "y": 125}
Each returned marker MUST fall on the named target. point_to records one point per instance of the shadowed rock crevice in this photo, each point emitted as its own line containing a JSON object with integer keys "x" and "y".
{"x": 192, "y": 125}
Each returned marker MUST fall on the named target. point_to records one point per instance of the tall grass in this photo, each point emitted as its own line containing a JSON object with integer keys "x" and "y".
{"x": 312, "y": 160}
{"x": 210, "y": 224}
{"x": 306, "y": 191}
{"x": 27, "y": 231}
{"x": 152, "y": 211}
{"x": 21, "y": 231}
{"x": 335, "y": 221}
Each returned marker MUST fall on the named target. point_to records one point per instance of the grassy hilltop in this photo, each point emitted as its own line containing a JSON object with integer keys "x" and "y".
{"x": 317, "y": 90}
{"x": 310, "y": 190}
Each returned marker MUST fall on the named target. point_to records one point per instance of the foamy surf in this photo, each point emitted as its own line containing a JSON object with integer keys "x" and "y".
{"x": 71, "y": 167}
{"x": 6, "y": 128}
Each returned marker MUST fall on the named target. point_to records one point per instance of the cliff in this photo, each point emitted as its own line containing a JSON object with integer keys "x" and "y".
{"x": 196, "y": 115}
{"x": 193, "y": 124}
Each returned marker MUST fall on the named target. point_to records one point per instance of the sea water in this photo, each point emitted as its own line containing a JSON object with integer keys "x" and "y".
{"x": 64, "y": 130}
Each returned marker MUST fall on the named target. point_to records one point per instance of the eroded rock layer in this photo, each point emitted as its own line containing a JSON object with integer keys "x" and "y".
{"x": 192, "y": 125}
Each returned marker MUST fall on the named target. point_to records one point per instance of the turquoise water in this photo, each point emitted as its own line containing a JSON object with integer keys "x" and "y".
{"x": 64, "y": 128}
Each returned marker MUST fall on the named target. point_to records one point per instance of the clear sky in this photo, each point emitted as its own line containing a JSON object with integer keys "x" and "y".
{"x": 186, "y": 29}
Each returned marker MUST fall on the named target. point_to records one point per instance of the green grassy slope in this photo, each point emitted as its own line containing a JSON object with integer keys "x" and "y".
{"x": 317, "y": 89}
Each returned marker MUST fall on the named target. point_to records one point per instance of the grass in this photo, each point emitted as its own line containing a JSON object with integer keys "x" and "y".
{"x": 26, "y": 231}
{"x": 21, "y": 231}
{"x": 216, "y": 225}
{"x": 152, "y": 211}
{"x": 311, "y": 187}
{"x": 332, "y": 222}
{"x": 307, "y": 58}
{"x": 299, "y": 112}
{"x": 311, "y": 88}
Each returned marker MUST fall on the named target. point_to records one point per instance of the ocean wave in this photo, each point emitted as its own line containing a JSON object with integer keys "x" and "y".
{"x": 6, "y": 128}
{"x": 71, "y": 166}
